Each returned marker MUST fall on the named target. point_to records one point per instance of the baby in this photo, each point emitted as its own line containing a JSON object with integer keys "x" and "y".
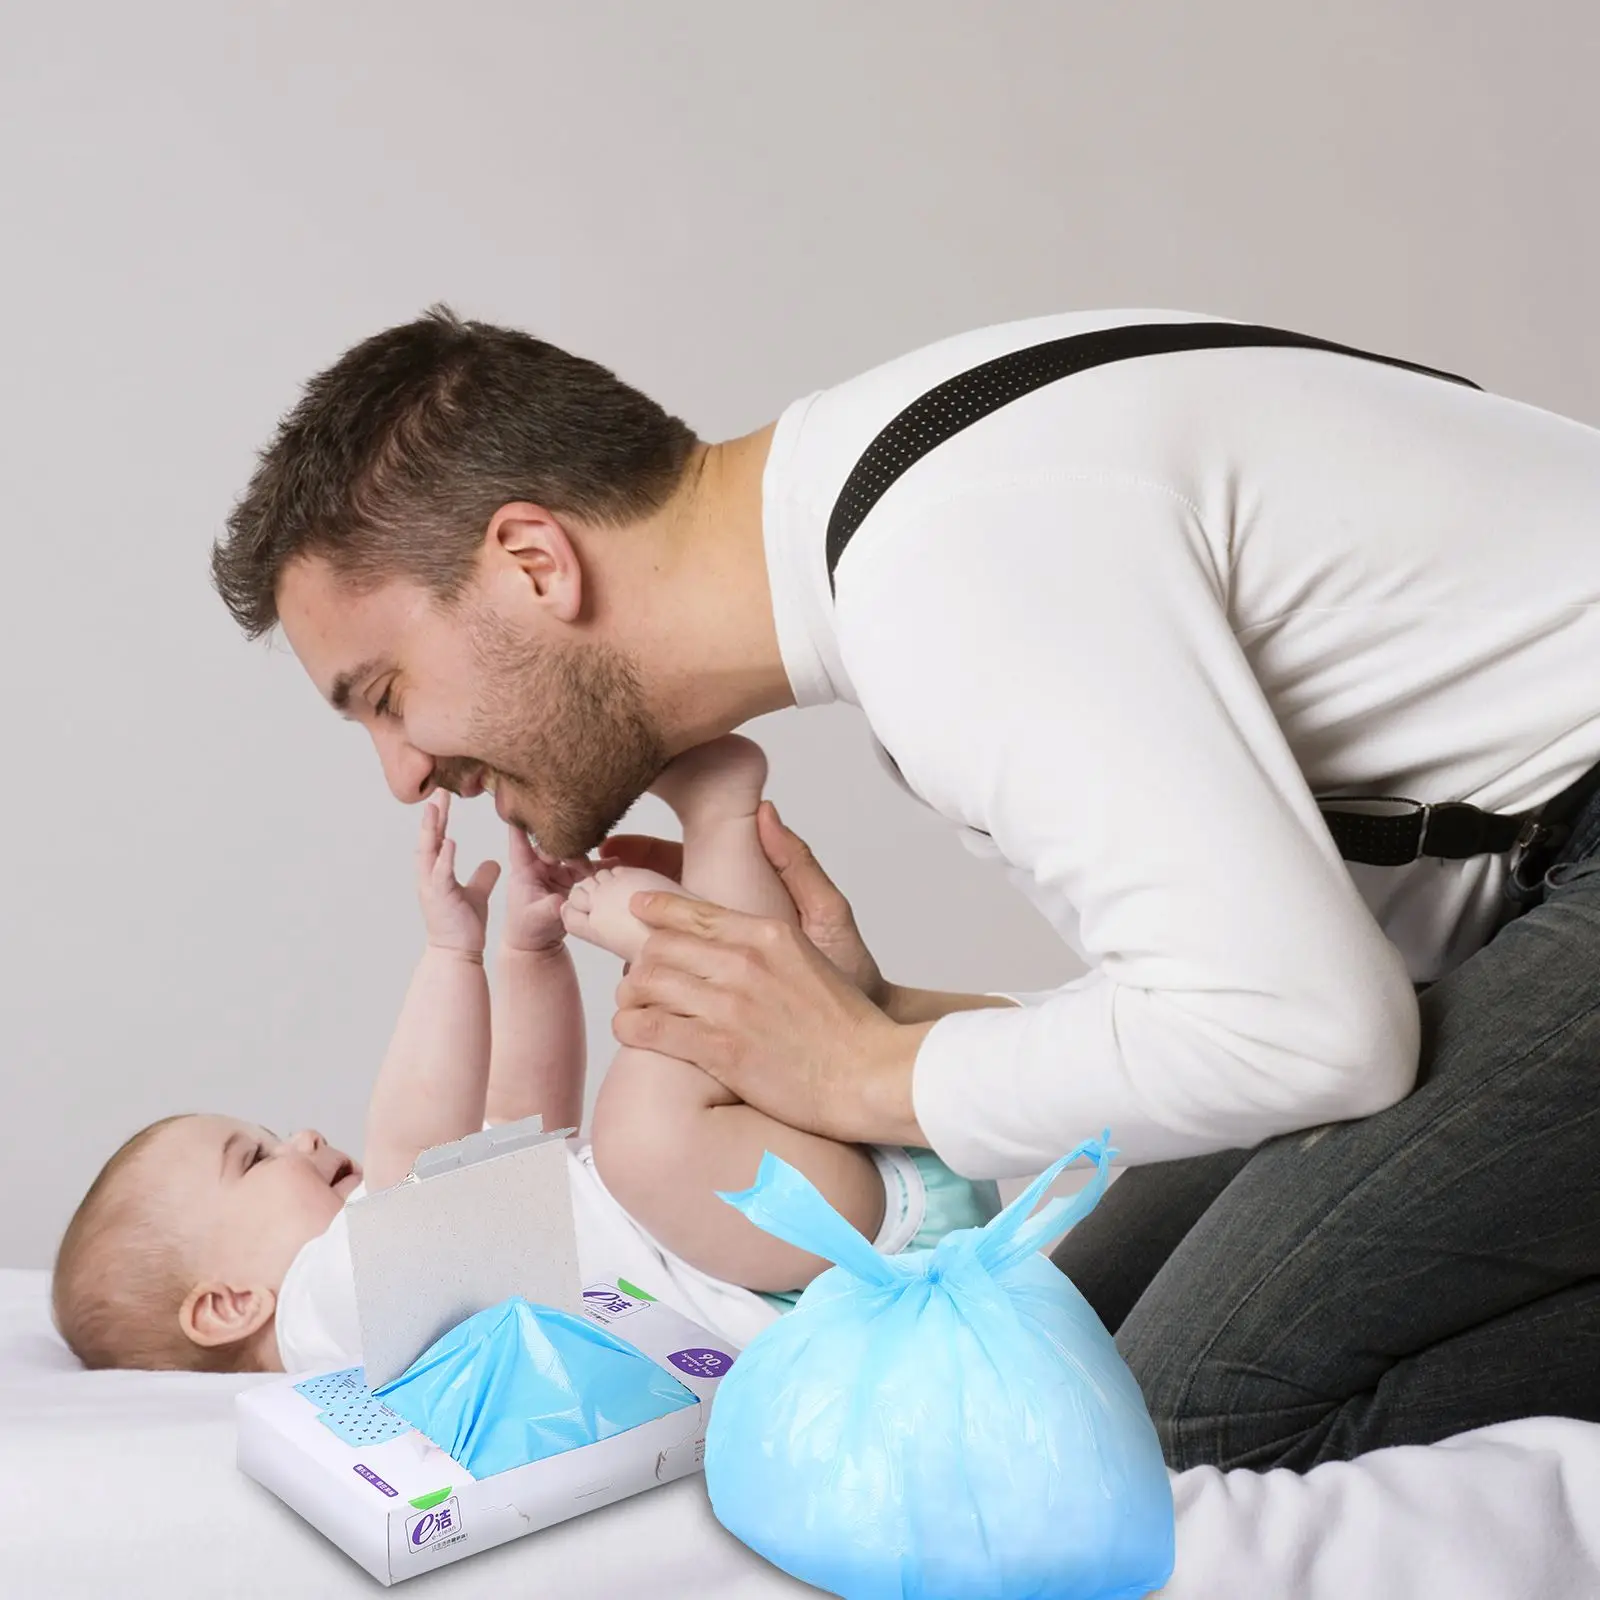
{"x": 208, "y": 1243}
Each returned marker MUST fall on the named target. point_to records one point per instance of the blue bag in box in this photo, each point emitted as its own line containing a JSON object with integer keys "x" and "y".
{"x": 519, "y": 1382}
{"x": 947, "y": 1424}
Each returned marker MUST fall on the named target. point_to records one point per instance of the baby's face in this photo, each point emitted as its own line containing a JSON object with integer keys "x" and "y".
{"x": 243, "y": 1199}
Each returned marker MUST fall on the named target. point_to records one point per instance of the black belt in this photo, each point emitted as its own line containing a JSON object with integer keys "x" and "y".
{"x": 1375, "y": 831}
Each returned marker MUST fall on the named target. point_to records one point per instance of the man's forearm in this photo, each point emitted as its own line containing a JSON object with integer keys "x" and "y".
{"x": 872, "y": 1103}
{"x": 870, "y": 1100}
{"x": 901, "y": 1004}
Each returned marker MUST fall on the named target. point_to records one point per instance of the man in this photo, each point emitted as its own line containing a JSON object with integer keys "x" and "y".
{"x": 1122, "y": 630}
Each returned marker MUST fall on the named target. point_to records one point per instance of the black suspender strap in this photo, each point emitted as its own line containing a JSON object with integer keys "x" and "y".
{"x": 1376, "y": 831}
{"x": 970, "y": 396}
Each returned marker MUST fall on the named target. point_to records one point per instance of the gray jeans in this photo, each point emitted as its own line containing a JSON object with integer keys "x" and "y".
{"x": 1430, "y": 1269}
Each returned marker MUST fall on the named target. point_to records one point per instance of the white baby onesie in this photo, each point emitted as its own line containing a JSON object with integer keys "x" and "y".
{"x": 318, "y": 1329}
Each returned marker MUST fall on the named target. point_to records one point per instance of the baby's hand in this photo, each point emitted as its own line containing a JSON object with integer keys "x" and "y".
{"x": 536, "y": 888}
{"x": 455, "y": 914}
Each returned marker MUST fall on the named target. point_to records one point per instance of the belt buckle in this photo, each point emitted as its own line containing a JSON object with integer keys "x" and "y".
{"x": 1425, "y": 816}
{"x": 1534, "y": 833}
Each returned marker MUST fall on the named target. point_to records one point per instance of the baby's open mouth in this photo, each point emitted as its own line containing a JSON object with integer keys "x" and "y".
{"x": 345, "y": 1168}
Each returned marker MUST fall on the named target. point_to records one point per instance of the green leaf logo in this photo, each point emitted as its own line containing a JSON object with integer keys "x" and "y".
{"x": 426, "y": 1502}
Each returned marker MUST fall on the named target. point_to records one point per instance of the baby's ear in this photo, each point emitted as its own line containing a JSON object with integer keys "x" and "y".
{"x": 215, "y": 1314}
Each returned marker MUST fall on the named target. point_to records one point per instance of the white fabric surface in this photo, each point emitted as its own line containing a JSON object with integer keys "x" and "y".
{"x": 124, "y": 1484}
{"x": 1121, "y": 630}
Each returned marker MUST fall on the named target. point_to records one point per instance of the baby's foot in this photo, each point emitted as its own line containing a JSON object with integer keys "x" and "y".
{"x": 596, "y": 909}
{"x": 714, "y": 782}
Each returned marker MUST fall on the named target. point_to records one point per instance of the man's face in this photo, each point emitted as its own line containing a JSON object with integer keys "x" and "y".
{"x": 467, "y": 698}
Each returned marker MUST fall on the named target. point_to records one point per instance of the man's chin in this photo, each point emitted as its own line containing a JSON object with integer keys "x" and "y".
{"x": 568, "y": 840}
{"x": 568, "y": 846}
{"x": 556, "y": 838}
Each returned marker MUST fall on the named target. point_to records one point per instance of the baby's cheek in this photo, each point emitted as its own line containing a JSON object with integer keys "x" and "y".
{"x": 305, "y": 1221}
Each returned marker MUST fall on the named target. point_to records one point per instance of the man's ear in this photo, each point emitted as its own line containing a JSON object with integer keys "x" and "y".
{"x": 215, "y": 1314}
{"x": 528, "y": 547}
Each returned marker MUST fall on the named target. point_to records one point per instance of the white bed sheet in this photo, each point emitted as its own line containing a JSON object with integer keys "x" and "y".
{"x": 123, "y": 1484}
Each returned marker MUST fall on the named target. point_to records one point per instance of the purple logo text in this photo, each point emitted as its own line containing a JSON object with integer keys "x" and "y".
{"x": 607, "y": 1304}
{"x": 432, "y": 1527}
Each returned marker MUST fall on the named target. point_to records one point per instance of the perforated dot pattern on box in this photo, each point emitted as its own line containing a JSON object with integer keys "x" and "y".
{"x": 349, "y": 1410}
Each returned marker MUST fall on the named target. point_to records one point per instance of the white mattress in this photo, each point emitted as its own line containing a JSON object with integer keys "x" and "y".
{"x": 123, "y": 1484}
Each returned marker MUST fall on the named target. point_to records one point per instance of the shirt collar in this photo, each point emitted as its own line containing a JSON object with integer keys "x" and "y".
{"x": 794, "y": 528}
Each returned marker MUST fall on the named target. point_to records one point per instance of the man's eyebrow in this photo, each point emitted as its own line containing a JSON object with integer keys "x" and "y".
{"x": 339, "y": 694}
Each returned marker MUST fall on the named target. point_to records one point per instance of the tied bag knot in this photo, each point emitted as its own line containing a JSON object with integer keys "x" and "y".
{"x": 948, "y": 1424}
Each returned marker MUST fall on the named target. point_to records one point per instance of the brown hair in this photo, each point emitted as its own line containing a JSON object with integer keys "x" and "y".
{"x": 396, "y": 458}
{"x": 120, "y": 1283}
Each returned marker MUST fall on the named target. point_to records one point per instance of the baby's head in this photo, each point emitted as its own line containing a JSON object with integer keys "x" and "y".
{"x": 176, "y": 1254}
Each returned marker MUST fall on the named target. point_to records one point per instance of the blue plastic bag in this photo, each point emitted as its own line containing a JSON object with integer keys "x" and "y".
{"x": 519, "y": 1382}
{"x": 948, "y": 1424}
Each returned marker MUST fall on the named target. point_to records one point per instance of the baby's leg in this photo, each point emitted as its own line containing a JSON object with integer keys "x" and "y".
{"x": 667, "y": 1136}
{"x": 715, "y": 790}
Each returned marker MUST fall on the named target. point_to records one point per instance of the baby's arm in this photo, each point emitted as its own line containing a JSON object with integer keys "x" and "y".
{"x": 434, "y": 1080}
{"x": 539, "y": 1055}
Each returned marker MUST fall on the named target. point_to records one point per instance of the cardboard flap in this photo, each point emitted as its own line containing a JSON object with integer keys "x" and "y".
{"x": 499, "y": 1140}
{"x": 479, "y": 1220}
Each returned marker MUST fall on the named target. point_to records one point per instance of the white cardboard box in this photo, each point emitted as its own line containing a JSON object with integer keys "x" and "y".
{"x": 401, "y": 1506}
{"x": 477, "y": 1222}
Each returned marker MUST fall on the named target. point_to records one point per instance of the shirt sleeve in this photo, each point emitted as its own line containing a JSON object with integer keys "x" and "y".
{"x": 1051, "y": 661}
{"x": 317, "y": 1326}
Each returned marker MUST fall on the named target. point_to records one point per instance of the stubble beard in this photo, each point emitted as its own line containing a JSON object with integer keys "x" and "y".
{"x": 568, "y": 735}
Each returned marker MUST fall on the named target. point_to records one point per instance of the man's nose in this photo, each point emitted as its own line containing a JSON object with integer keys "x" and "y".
{"x": 411, "y": 774}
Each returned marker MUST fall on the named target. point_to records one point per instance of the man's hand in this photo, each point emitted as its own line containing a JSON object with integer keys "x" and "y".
{"x": 641, "y": 850}
{"x": 752, "y": 1002}
{"x": 455, "y": 914}
{"x": 825, "y": 915}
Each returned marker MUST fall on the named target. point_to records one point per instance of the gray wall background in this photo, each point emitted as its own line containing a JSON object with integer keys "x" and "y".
{"x": 206, "y": 895}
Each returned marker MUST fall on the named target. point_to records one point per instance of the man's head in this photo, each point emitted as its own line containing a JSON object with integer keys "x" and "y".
{"x": 425, "y": 528}
{"x": 175, "y": 1256}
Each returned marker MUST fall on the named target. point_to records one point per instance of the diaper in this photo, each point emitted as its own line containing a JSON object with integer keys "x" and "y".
{"x": 923, "y": 1201}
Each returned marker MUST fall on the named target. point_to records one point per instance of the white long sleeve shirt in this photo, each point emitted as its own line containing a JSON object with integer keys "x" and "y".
{"x": 1122, "y": 630}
